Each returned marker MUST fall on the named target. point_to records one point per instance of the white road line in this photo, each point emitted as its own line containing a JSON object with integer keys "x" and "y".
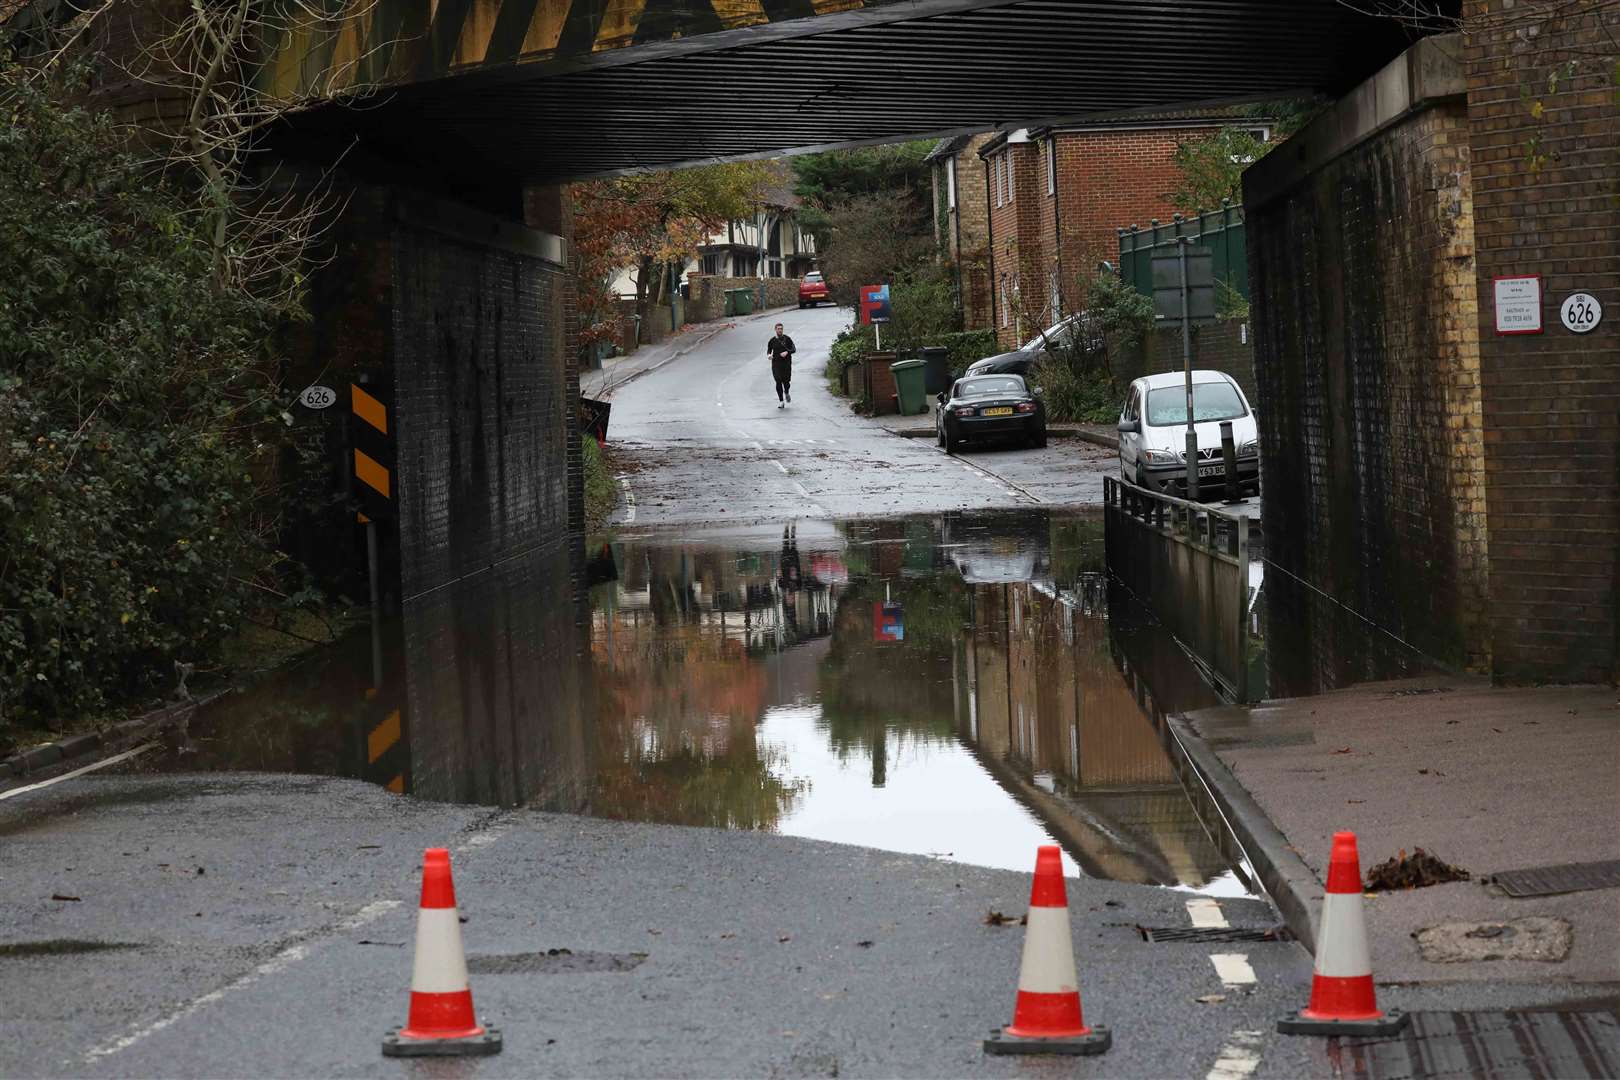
{"x": 629, "y": 500}
{"x": 276, "y": 964}
{"x": 115, "y": 759}
{"x": 1206, "y": 914}
{"x": 779, "y": 465}
{"x": 1233, "y": 968}
{"x": 1239, "y": 1057}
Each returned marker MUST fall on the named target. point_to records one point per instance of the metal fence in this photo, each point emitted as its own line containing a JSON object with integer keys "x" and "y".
{"x": 1189, "y": 563}
{"x": 1219, "y": 230}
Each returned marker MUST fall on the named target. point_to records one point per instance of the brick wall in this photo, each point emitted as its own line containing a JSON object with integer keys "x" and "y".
{"x": 1019, "y": 253}
{"x": 707, "y": 300}
{"x": 1107, "y": 180}
{"x": 1367, "y": 368}
{"x": 1219, "y": 346}
{"x": 1547, "y": 201}
{"x": 970, "y": 236}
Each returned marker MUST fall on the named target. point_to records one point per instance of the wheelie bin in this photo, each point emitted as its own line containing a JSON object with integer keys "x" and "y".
{"x": 908, "y": 386}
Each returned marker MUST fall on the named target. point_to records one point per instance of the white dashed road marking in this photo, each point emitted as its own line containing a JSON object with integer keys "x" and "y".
{"x": 1239, "y": 1057}
{"x": 1233, "y": 968}
{"x": 1206, "y": 914}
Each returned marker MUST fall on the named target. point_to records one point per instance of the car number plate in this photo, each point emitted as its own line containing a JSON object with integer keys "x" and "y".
{"x": 1004, "y": 410}
{"x": 1211, "y": 470}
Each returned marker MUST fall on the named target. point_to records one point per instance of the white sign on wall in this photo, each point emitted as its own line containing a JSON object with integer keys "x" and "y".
{"x": 1518, "y": 305}
{"x": 317, "y": 397}
{"x": 1581, "y": 312}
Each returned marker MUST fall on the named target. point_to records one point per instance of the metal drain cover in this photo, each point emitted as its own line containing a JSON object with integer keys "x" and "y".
{"x": 1487, "y": 1045}
{"x": 1211, "y": 934}
{"x": 1552, "y": 880}
{"x": 552, "y": 962}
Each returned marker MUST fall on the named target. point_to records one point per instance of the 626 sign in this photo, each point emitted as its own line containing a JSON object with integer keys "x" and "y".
{"x": 317, "y": 397}
{"x": 1581, "y": 312}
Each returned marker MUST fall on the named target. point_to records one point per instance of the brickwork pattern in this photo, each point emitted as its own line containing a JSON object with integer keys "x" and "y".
{"x": 1106, "y": 181}
{"x": 484, "y": 408}
{"x": 1020, "y": 259}
{"x": 970, "y": 237}
{"x": 1367, "y": 369}
{"x": 1219, "y": 346}
{"x": 1546, "y": 188}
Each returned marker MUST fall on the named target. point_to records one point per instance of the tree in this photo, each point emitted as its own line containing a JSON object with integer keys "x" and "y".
{"x": 1212, "y": 166}
{"x": 869, "y": 240}
{"x": 651, "y": 221}
{"x": 827, "y": 180}
{"x": 135, "y": 411}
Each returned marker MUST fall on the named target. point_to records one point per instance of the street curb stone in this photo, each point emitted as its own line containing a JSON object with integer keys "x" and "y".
{"x": 1292, "y": 886}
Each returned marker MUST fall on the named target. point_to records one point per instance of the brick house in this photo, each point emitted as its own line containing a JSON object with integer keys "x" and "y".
{"x": 962, "y": 222}
{"x": 1055, "y": 196}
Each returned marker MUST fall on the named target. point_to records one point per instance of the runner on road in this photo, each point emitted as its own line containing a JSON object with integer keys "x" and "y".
{"x": 780, "y": 349}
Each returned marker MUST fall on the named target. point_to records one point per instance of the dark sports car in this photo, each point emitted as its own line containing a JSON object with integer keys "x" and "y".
{"x": 981, "y": 407}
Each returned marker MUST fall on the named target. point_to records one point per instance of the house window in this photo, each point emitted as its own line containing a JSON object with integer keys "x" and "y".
{"x": 950, "y": 183}
{"x": 1006, "y": 309}
{"x": 1051, "y": 166}
{"x": 711, "y": 263}
{"x": 1008, "y": 156}
{"x": 995, "y": 178}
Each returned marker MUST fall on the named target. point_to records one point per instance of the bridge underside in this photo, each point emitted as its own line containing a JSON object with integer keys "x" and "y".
{"x": 901, "y": 70}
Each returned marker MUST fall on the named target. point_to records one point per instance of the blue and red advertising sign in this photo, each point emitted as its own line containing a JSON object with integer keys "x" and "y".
{"x": 888, "y": 623}
{"x": 874, "y": 304}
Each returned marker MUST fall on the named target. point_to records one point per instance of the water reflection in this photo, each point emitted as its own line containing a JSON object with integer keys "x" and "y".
{"x": 955, "y": 686}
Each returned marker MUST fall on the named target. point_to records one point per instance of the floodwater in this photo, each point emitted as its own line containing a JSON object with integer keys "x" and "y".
{"x": 964, "y": 686}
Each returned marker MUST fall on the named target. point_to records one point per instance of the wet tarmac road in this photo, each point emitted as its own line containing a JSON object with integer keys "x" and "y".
{"x": 702, "y": 440}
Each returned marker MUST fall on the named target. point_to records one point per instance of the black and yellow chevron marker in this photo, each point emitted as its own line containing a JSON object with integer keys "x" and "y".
{"x": 373, "y": 452}
{"x": 382, "y": 737}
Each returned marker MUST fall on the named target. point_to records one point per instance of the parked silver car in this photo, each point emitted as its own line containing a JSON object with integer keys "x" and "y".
{"x": 1153, "y": 433}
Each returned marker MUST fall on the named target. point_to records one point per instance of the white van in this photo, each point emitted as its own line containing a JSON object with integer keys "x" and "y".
{"x": 1153, "y": 433}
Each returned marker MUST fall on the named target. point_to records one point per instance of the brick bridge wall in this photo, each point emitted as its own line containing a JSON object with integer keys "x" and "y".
{"x": 1367, "y": 367}
{"x": 1547, "y": 201}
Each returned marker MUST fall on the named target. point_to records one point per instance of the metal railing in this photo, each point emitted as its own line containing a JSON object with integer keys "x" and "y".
{"x": 1189, "y": 563}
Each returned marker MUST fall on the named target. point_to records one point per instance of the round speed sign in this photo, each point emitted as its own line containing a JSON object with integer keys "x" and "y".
{"x": 1581, "y": 312}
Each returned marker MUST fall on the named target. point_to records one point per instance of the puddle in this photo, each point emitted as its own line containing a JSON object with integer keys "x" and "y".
{"x": 964, "y": 686}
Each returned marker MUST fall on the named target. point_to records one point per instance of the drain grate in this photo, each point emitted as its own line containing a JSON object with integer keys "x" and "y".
{"x": 1212, "y": 934}
{"x": 1487, "y": 1045}
{"x": 1552, "y": 880}
{"x": 552, "y": 962}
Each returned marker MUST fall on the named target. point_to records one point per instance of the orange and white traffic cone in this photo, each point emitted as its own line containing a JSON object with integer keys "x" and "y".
{"x": 441, "y": 1022}
{"x": 1046, "y": 1019}
{"x": 1343, "y": 1001}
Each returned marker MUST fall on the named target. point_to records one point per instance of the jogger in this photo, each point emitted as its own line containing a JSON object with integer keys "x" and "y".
{"x": 780, "y": 349}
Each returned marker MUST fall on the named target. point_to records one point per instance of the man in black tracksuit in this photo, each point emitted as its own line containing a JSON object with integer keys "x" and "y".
{"x": 780, "y": 349}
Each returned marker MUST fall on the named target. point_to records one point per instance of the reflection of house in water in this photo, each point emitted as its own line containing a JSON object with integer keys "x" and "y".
{"x": 1038, "y": 693}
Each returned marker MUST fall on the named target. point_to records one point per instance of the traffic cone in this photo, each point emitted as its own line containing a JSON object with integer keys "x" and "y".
{"x": 441, "y": 1021}
{"x": 1046, "y": 1019}
{"x": 1343, "y": 1001}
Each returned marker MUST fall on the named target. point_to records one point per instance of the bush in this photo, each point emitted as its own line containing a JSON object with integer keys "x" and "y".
{"x": 1076, "y": 397}
{"x": 966, "y": 347}
{"x": 133, "y": 422}
{"x": 846, "y": 351}
{"x": 601, "y": 491}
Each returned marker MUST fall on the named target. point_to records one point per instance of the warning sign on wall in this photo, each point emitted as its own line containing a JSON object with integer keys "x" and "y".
{"x": 1518, "y": 305}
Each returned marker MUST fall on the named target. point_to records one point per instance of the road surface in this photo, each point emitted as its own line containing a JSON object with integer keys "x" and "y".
{"x": 701, "y": 440}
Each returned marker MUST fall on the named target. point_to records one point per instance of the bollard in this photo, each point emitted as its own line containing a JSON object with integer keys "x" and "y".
{"x": 1192, "y": 464}
{"x": 1229, "y": 454}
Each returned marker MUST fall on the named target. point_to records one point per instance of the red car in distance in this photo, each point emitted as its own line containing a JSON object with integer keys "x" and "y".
{"x": 813, "y": 290}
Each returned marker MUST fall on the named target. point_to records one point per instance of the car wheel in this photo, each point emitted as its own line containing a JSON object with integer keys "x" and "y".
{"x": 951, "y": 445}
{"x": 1141, "y": 481}
{"x": 1038, "y": 440}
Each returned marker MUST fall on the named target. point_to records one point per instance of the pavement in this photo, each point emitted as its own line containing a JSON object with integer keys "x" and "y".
{"x": 700, "y": 440}
{"x": 1487, "y": 779}
{"x": 921, "y": 426}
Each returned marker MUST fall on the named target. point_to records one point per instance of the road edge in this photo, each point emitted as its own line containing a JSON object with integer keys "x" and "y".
{"x": 1291, "y": 885}
{"x": 48, "y": 759}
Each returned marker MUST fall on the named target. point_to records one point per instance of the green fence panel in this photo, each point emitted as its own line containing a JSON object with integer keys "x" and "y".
{"x": 1219, "y": 230}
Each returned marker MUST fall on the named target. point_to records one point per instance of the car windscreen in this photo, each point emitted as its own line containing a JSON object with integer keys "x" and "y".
{"x": 990, "y": 385}
{"x": 1211, "y": 401}
{"x": 812, "y": 277}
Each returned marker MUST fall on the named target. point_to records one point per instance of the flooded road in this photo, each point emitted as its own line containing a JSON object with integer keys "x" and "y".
{"x": 961, "y": 685}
